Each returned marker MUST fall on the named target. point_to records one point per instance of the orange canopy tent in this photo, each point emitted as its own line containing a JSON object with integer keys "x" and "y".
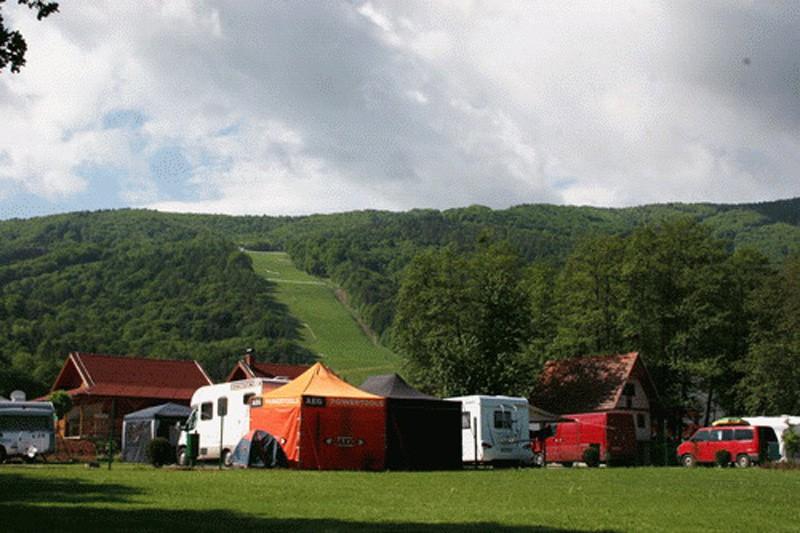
{"x": 324, "y": 423}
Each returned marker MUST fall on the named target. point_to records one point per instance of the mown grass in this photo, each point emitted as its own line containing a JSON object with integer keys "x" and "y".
{"x": 330, "y": 330}
{"x": 72, "y": 498}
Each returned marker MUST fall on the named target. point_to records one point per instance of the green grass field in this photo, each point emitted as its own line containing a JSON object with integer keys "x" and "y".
{"x": 140, "y": 498}
{"x": 330, "y": 330}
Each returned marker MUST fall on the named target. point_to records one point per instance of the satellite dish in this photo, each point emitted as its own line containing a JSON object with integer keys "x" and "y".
{"x": 17, "y": 396}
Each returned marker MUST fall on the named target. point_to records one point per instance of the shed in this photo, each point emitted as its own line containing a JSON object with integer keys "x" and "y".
{"x": 422, "y": 432}
{"x": 141, "y": 427}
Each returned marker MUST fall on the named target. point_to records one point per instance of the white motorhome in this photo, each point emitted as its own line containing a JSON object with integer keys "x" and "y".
{"x": 206, "y": 422}
{"x": 494, "y": 429}
{"x": 779, "y": 424}
{"x": 27, "y": 429}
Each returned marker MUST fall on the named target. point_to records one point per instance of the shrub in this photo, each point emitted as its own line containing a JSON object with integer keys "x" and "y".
{"x": 791, "y": 442}
{"x": 159, "y": 452}
{"x": 722, "y": 458}
{"x": 591, "y": 455}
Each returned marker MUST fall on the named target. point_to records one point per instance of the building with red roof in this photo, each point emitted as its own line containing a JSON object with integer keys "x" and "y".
{"x": 248, "y": 368}
{"x": 104, "y": 388}
{"x": 616, "y": 383}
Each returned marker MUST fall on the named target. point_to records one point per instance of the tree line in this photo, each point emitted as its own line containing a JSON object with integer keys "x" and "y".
{"x": 714, "y": 324}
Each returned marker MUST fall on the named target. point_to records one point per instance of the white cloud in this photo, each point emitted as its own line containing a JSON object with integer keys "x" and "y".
{"x": 306, "y": 107}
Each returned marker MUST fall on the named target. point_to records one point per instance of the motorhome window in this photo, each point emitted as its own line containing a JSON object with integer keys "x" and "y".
{"x": 465, "y": 420}
{"x": 502, "y": 419}
{"x": 26, "y": 423}
{"x": 206, "y": 411}
{"x": 246, "y": 398}
{"x": 640, "y": 420}
{"x": 701, "y": 436}
{"x": 743, "y": 434}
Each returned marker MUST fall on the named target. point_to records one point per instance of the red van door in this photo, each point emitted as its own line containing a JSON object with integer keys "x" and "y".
{"x": 700, "y": 444}
{"x": 564, "y": 443}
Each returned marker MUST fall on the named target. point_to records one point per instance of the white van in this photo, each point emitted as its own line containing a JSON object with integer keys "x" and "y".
{"x": 494, "y": 429}
{"x": 205, "y": 420}
{"x": 27, "y": 429}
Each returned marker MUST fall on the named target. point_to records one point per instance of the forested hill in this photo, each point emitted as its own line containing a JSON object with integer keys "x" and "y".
{"x": 172, "y": 285}
{"x": 365, "y": 251}
{"x": 129, "y": 282}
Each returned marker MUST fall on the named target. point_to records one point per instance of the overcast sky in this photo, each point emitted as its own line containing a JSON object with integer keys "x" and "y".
{"x": 287, "y": 107}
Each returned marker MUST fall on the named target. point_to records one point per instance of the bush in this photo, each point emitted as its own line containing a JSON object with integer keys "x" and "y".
{"x": 722, "y": 458}
{"x": 159, "y": 452}
{"x": 791, "y": 442}
{"x": 591, "y": 455}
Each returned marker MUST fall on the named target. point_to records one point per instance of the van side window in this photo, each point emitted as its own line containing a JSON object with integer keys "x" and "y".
{"x": 465, "y": 420}
{"x": 701, "y": 436}
{"x": 246, "y": 398}
{"x": 206, "y": 411}
{"x": 727, "y": 434}
{"x": 502, "y": 419}
{"x": 743, "y": 434}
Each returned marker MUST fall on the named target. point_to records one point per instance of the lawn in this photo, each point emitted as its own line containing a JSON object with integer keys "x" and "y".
{"x": 139, "y": 498}
{"x": 329, "y": 328}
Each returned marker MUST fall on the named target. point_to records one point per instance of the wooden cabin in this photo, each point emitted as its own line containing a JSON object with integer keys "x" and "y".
{"x": 104, "y": 388}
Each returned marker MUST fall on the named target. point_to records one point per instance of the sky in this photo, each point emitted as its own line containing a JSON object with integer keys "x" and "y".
{"x": 290, "y": 107}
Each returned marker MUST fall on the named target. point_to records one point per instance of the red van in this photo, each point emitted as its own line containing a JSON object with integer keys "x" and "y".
{"x": 614, "y": 434}
{"x": 746, "y": 444}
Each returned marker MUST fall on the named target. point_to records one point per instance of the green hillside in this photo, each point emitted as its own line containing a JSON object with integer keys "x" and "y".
{"x": 328, "y": 328}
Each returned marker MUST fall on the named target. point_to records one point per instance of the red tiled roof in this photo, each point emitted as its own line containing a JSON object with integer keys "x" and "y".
{"x": 111, "y": 375}
{"x": 274, "y": 370}
{"x": 586, "y": 384}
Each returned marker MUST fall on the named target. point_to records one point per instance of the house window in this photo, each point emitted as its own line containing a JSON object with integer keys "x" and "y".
{"x": 465, "y": 420}
{"x": 206, "y": 411}
{"x": 640, "y": 421}
{"x": 502, "y": 419}
{"x": 629, "y": 391}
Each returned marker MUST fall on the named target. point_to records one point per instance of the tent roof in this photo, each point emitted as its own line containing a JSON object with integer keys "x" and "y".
{"x": 393, "y": 386}
{"x": 319, "y": 381}
{"x": 166, "y": 410}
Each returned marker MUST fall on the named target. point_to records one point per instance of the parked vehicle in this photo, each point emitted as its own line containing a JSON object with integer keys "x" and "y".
{"x": 779, "y": 424}
{"x": 206, "y": 422}
{"x": 613, "y": 434}
{"x": 746, "y": 444}
{"x": 27, "y": 429}
{"x": 494, "y": 429}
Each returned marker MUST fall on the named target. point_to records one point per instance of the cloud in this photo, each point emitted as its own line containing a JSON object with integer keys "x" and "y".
{"x": 317, "y": 107}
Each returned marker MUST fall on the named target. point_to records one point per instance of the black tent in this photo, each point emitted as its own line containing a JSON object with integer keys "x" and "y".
{"x": 258, "y": 449}
{"x": 140, "y": 427}
{"x": 422, "y": 432}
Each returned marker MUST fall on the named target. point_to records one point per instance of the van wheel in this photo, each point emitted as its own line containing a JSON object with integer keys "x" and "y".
{"x": 538, "y": 460}
{"x": 183, "y": 458}
{"x": 688, "y": 461}
{"x": 227, "y": 458}
{"x": 743, "y": 461}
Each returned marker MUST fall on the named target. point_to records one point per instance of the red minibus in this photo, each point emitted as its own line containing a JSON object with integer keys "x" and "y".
{"x": 746, "y": 444}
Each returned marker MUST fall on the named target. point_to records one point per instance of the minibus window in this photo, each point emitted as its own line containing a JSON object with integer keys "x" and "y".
{"x": 743, "y": 434}
{"x": 700, "y": 436}
{"x": 727, "y": 434}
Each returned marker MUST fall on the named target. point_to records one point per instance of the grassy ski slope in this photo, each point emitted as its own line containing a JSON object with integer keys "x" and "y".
{"x": 330, "y": 330}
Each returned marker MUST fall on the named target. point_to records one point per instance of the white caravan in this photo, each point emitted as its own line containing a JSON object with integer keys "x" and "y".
{"x": 206, "y": 422}
{"x": 494, "y": 429}
{"x": 26, "y": 428}
{"x": 779, "y": 424}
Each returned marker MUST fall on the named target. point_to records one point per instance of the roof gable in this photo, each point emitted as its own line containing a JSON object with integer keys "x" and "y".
{"x": 114, "y": 375}
{"x": 585, "y": 384}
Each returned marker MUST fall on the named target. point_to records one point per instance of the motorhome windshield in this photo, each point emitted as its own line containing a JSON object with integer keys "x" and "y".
{"x": 191, "y": 422}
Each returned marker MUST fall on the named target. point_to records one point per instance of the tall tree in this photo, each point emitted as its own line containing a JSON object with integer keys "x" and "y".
{"x": 463, "y": 322}
{"x": 12, "y": 45}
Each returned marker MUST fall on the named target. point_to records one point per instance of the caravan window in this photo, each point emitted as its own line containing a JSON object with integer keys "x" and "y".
{"x": 26, "y": 423}
{"x": 206, "y": 411}
{"x": 246, "y": 398}
{"x": 502, "y": 419}
{"x": 465, "y": 420}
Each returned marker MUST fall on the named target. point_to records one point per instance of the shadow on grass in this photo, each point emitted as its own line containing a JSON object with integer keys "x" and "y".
{"x": 79, "y": 506}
